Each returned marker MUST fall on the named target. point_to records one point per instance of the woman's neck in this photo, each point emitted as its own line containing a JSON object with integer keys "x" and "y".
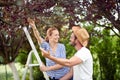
{"x": 52, "y": 44}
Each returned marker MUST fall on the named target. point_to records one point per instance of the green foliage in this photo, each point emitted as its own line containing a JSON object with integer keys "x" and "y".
{"x": 1, "y": 59}
{"x": 37, "y": 74}
{"x": 22, "y": 57}
{"x": 105, "y": 52}
{"x": 70, "y": 50}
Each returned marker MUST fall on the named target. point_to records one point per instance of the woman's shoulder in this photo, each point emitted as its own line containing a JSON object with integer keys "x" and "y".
{"x": 45, "y": 45}
{"x": 44, "y": 42}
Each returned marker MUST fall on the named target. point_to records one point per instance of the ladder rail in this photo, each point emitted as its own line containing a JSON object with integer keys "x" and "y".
{"x": 34, "y": 50}
{"x": 27, "y": 65}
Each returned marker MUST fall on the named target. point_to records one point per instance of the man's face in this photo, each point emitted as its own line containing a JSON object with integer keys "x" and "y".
{"x": 72, "y": 40}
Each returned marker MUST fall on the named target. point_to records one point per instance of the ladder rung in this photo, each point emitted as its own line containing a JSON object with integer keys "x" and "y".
{"x": 31, "y": 65}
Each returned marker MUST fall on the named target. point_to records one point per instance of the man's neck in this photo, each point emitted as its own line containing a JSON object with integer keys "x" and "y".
{"x": 78, "y": 46}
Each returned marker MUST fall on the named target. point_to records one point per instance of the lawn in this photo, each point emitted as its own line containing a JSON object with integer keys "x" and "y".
{"x": 5, "y": 73}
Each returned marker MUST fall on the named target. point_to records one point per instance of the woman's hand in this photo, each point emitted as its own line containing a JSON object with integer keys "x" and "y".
{"x": 31, "y": 22}
{"x": 43, "y": 67}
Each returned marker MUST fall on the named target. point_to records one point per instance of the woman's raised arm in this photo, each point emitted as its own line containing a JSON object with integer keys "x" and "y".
{"x": 35, "y": 31}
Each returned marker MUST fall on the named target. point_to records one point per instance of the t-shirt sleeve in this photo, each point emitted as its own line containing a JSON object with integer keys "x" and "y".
{"x": 82, "y": 54}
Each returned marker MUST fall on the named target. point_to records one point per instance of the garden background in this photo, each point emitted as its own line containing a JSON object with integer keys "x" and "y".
{"x": 100, "y": 17}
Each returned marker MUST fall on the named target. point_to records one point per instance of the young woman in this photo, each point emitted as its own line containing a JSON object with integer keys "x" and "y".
{"x": 56, "y": 49}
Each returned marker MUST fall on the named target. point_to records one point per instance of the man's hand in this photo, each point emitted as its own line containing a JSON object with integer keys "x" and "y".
{"x": 45, "y": 53}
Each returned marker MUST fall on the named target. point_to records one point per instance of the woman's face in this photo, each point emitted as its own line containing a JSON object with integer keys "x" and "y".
{"x": 54, "y": 37}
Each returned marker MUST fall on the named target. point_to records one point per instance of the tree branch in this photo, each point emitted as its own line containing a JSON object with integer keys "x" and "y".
{"x": 2, "y": 4}
{"x": 109, "y": 28}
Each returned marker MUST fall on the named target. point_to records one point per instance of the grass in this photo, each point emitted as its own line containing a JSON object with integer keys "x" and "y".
{"x": 5, "y": 73}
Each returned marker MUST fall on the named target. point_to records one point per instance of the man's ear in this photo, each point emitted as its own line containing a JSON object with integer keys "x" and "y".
{"x": 85, "y": 43}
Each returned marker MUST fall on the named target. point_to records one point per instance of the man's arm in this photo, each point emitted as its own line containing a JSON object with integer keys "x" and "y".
{"x": 55, "y": 67}
{"x": 65, "y": 62}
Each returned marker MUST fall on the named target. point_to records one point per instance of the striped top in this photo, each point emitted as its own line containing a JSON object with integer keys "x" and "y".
{"x": 60, "y": 53}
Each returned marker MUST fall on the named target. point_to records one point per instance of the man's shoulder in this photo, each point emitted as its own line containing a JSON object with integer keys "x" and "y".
{"x": 84, "y": 49}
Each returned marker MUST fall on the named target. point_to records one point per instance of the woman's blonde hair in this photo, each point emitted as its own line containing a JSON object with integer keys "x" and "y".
{"x": 49, "y": 32}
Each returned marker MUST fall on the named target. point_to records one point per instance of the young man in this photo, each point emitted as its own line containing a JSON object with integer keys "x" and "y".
{"x": 81, "y": 62}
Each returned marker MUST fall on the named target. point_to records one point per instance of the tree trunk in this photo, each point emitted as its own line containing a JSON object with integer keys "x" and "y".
{"x": 14, "y": 71}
